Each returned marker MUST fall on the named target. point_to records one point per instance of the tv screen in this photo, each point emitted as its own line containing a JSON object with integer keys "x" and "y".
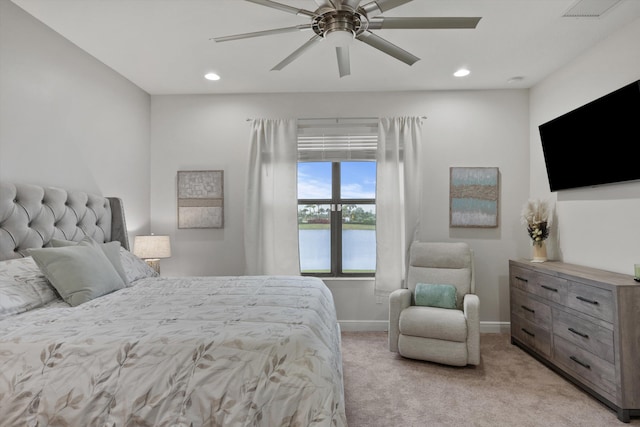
{"x": 596, "y": 143}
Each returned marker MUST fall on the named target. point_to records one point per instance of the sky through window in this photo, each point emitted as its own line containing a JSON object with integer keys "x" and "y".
{"x": 358, "y": 180}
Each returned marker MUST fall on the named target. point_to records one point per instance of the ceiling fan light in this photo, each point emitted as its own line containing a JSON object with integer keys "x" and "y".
{"x": 339, "y": 38}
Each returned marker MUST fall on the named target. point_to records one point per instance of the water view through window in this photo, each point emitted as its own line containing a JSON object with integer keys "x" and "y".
{"x": 355, "y": 206}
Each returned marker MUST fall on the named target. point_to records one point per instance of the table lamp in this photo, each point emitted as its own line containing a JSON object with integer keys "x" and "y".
{"x": 151, "y": 249}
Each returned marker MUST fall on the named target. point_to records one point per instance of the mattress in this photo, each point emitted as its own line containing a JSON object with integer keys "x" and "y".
{"x": 198, "y": 351}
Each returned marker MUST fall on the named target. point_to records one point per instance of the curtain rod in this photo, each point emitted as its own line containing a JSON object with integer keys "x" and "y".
{"x": 339, "y": 118}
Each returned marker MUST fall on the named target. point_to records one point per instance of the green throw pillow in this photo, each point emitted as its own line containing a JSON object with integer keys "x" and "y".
{"x": 110, "y": 249}
{"x": 430, "y": 295}
{"x": 79, "y": 273}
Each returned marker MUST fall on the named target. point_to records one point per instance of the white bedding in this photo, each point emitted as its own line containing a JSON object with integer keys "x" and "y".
{"x": 200, "y": 351}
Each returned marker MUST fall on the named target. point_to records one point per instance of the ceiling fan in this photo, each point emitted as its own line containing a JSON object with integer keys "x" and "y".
{"x": 341, "y": 21}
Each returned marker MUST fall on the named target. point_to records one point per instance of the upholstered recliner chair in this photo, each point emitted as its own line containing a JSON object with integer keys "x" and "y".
{"x": 444, "y": 335}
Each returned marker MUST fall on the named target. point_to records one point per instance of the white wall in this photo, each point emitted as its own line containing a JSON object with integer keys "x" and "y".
{"x": 598, "y": 226}
{"x": 470, "y": 128}
{"x": 67, "y": 120}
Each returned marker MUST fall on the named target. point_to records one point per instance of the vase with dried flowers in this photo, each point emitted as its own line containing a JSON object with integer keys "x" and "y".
{"x": 536, "y": 215}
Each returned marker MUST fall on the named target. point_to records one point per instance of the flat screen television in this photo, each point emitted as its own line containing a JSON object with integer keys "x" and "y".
{"x": 598, "y": 143}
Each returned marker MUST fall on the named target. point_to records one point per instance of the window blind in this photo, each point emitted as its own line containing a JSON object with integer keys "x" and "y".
{"x": 341, "y": 139}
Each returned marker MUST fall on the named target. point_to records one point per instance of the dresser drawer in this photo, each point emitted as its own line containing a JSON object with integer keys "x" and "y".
{"x": 590, "y": 300}
{"x": 522, "y": 278}
{"x": 522, "y": 305}
{"x": 546, "y": 286}
{"x": 586, "y": 365}
{"x": 551, "y": 288}
{"x": 531, "y": 335}
{"x": 586, "y": 335}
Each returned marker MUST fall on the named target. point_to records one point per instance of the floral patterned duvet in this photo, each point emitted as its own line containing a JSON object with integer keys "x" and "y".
{"x": 199, "y": 351}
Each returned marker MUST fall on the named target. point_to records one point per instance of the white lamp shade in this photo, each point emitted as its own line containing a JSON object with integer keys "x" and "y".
{"x": 152, "y": 247}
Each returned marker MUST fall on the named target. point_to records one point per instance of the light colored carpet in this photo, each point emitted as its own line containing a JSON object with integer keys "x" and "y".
{"x": 508, "y": 388}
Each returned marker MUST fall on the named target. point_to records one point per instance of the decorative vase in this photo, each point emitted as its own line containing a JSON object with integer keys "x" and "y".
{"x": 539, "y": 252}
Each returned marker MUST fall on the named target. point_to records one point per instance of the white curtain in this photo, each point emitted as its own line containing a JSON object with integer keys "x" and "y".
{"x": 271, "y": 221}
{"x": 398, "y": 196}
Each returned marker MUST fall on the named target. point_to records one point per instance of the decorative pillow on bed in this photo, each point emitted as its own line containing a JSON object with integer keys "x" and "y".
{"x": 134, "y": 267}
{"x": 110, "y": 249}
{"x": 23, "y": 287}
{"x": 430, "y": 295}
{"x": 79, "y": 273}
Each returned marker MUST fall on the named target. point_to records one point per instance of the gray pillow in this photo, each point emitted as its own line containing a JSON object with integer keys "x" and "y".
{"x": 79, "y": 273}
{"x": 110, "y": 249}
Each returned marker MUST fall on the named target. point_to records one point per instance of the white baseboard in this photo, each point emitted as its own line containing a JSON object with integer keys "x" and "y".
{"x": 495, "y": 327}
{"x": 383, "y": 325}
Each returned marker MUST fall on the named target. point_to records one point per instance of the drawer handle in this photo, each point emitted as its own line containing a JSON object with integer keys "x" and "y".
{"x": 531, "y": 334}
{"x": 524, "y": 307}
{"x": 522, "y": 279}
{"x": 579, "y": 362}
{"x": 549, "y": 288}
{"x": 579, "y": 333}
{"x": 590, "y": 301}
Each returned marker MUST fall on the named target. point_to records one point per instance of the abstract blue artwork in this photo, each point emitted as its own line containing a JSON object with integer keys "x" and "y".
{"x": 473, "y": 200}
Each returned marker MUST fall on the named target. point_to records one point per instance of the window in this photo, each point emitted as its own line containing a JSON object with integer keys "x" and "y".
{"x": 336, "y": 201}
{"x": 337, "y": 218}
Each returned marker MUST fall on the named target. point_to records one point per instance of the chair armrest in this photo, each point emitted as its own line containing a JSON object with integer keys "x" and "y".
{"x": 398, "y": 301}
{"x": 471, "y": 308}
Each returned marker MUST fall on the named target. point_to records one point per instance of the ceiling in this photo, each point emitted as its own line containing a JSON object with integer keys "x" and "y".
{"x": 165, "y": 46}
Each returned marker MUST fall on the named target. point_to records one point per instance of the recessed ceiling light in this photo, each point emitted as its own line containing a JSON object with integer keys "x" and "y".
{"x": 212, "y": 76}
{"x": 515, "y": 79}
{"x": 462, "y": 72}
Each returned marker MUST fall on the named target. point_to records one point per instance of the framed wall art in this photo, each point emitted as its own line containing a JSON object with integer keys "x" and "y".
{"x": 201, "y": 199}
{"x": 473, "y": 197}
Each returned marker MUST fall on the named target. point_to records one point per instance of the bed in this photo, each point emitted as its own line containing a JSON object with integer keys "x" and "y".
{"x": 157, "y": 351}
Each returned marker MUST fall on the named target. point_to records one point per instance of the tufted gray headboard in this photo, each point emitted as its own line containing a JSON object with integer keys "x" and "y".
{"x": 30, "y": 216}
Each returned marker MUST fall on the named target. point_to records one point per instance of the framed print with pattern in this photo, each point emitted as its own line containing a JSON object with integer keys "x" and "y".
{"x": 201, "y": 199}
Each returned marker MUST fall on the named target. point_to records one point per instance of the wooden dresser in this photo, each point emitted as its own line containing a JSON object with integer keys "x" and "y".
{"x": 584, "y": 323}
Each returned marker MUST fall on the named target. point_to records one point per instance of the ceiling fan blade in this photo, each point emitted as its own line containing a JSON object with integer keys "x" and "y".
{"x": 380, "y": 23}
{"x": 283, "y": 7}
{"x": 344, "y": 64}
{"x": 262, "y": 33}
{"x": 387, "y": 47}
{"x": 378, "y": 7}
{"x": 286, "y": 61}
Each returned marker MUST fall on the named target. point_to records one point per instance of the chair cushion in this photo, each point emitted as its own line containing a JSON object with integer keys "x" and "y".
{"x": 433, "y": 322}
{"x": 453, "y": 255}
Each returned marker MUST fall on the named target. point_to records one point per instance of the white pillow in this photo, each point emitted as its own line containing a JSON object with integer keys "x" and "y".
{"x": 23, "y": 287}
{"x": 134, "y": 267}
{"x": 79, "y": 273}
